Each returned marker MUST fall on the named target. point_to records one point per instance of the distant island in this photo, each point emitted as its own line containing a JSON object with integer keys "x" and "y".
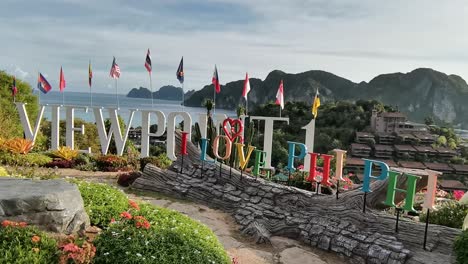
{"x": 167, "y": 92}
{"x": 420, "y": 94}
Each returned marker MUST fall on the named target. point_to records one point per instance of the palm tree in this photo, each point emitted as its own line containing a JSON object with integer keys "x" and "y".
{"x": 209, "y": 106}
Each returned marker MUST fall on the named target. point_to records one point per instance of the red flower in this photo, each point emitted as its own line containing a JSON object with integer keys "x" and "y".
{"x": 70, "y": 247}
{"x": 126, "y": 215}
{"x": 22, "y": 224}
{"x": 458, "y": 194}
{"x": 6, "y": 223}
{"x": 112, "y": 220}
{"x": 36, "y": 239}
{"x": 134, "y": 205}
{"x": 141, "y": 222}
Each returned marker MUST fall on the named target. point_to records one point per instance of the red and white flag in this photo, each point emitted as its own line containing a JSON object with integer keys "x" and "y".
{"x": 115, "y": 70}
{"x": 148, "y": 65}
{"x": 280, "y": 96}
{"x": 62, "y": 83}
{"x": 215, "y": 81}
{"x": 246, "y": 86}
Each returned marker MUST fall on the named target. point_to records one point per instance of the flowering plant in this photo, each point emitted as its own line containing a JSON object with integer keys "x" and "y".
{"x": 76, "y": 250}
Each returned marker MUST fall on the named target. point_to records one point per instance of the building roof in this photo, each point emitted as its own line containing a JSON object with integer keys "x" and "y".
{"x": 364, "y": 134}
{"x": 380, "y": 147}
{"x": 404, "y": 148}
{"x": 459, "y": 168}
{"x": 360, "y": 146}
{"x": 427, "y": 149}
{"x": 412, "y": 165}
{"x": 438, "y": 166}
{"x": 390, "y": 163}
{"x": 385, "y": 134}
{"x": 393, "y": 114}
{"x": 406, "y": 135}
{"x": 443, "y": 150}
{"x": 354, "y": 162}
{"x": 424, "y": 135}
{"x": 452, "y": 184}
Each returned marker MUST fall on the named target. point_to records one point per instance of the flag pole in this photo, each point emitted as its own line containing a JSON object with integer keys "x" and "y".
{"x": 151, "y": 87}
{"x": 183, "y": 98}
{"x": 280, "y": 110}
{"x": 63, "y": 98}
{"x": 246, "y": 106}
{"x": 14, "y": 94}
{"x": 91, "y": 95}
{"x": 116, "y": 94}
{"x": 214, "y": 98}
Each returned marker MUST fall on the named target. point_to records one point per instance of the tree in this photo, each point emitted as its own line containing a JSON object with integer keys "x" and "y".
{"x": 9, "y": 118}
{"x": 429, "y": 120}
{"x": 441, "y": 141}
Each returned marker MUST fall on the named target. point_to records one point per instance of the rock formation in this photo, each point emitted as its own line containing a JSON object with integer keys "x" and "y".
{"x": 52, "y": 205}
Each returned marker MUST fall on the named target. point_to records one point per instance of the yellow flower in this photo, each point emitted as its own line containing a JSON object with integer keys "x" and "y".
{"x": 36, "y": 250}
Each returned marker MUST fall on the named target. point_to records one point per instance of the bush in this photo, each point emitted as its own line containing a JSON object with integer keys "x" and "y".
{"x": 26, "y": 244}
{"x": 3, "y": 172}
{"x": 111, "y": 163}
{"x": 451, "y": 214}
{"x": 101, "y": 201}
{"x": 85, "y": 162}
{"x": 65, "y": 153}
{"x": 158, "y": 235}
{"x": 18, "y": 145}
{"x": 126, "y": 179}
{"x": 30, "y": 159}
{"x": 60, "y": 163}
{"x": 161, "y": 161}
{"x": 461, "y": 247}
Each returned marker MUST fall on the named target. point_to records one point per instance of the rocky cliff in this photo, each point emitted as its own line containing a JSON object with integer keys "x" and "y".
{"x": 167, "y": 92}
{"x": 421, "y": 93}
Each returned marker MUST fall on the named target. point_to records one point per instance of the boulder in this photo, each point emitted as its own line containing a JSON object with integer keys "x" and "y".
{"x": 52, "y": 205}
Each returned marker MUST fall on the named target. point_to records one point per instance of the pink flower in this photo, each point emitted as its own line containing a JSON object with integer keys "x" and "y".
{"x": 300, "y": 167}
{"x": 70, "y": 247}
{"x": 458, "y": 194}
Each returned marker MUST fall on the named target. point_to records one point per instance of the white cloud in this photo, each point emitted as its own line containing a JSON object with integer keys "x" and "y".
{"x": 354, "y": 39}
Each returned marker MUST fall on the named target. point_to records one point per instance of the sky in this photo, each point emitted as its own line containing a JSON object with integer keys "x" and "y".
{"x": 357, "y": 40}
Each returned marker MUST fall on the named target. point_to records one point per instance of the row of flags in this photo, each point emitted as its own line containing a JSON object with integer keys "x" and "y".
{"x": 44, "y": 86}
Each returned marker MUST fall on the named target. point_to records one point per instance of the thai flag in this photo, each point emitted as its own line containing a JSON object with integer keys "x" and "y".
{"x": 43, "y": 84}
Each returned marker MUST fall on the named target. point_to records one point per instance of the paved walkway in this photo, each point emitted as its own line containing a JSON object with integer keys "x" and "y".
{"x": 281, "y": 250}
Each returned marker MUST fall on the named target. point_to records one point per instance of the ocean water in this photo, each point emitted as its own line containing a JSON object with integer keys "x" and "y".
{"x": 125, "y": 104}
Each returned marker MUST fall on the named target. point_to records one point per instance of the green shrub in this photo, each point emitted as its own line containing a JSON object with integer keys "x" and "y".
{"x": 102, "y": 202}
{"x": 171, "y": 238}
{"x": 17, "y": 245}
{"x": 3, "y": 172}
{"x": 30, "y": 159}
{"x": 461, "y": 247}
{"x": 450, "y": 214}
{"x": 161, "y": 161}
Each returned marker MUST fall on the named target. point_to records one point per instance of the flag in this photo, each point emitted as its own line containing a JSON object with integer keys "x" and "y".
{"x": 180, "y": 71}
{"x": 280, "y": 95}
{"x": 316, "y": 105}
{"x": 43, "y": 84}
{"x": 148, "y": 62}
{"x": 62, "y": 83}
{"x": 115, "y": 70}
{"x": 90, "y": 74}
{"x": 14, "y": 90}
{"x": 215, "y": 81}
{"x": 246, "y": 86}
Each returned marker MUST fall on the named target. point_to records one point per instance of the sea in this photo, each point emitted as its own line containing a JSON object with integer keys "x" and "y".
{"x": 125, "y": 104}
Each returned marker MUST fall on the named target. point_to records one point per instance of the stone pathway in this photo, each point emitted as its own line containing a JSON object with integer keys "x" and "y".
{"x": 281, "y": 250}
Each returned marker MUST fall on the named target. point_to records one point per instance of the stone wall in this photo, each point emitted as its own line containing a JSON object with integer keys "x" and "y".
{"x": 263, "y": 209}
